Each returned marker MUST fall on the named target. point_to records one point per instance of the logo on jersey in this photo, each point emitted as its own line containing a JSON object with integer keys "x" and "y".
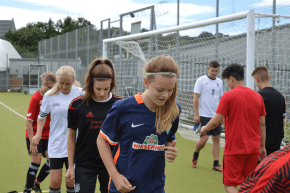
{"x": 77, "y": 187}
{"x": 55, "y": 104}
{"x": 28, "y": 114}
{"x": 150, "y": 143}
{"x": 90, "y": 114}
{"x": 218, "y": 85}
{"x": 133, "y": 126}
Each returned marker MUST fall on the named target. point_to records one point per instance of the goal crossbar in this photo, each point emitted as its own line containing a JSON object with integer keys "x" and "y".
{"x": 250, "y": 15}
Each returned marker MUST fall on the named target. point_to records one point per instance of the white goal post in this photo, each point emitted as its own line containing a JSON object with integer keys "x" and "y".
{"x": 247, "y": 38}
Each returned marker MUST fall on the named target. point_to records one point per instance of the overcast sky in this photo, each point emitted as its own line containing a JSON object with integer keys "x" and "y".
{"x": 25, "y": 11}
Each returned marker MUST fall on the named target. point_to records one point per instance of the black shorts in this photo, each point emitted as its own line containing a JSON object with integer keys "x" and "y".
{"x": 85, "y": 179}
{"x": 216, "y": 131}
{"x": 41, "y": 147}
{"x": 57, "y": 163}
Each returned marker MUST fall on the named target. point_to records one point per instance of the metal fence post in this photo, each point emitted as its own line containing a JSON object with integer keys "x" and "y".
{"x": 76, "y": 51}
{"x": 88, "y": 45}
{"x": 66, "y": 47}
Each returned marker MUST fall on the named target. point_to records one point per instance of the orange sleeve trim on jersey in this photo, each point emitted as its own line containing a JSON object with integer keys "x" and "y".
{"x": 109, "y": 184}
{"x": 117, "y": 155}
{"x": 107, "y": 138}
{"x": 138, "y": 98}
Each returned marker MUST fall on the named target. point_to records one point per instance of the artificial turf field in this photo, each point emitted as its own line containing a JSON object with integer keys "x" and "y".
{"x": 14, "y": 161}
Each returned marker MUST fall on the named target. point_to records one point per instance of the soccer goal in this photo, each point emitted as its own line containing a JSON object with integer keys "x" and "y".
{"x": 247, "y": 38}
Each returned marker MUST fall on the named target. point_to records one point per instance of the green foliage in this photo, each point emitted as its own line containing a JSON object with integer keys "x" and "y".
{"x": 25, "y": 39}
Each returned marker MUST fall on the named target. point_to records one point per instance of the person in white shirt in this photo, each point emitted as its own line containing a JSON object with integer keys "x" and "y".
{"x": 207, "y": 91}
{"x": 56, "y": 102}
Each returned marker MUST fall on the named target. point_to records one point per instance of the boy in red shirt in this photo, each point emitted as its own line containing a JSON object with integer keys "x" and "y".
{"x": 244, "y": 113}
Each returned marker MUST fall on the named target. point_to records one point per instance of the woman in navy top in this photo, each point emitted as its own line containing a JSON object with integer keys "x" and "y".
{"x": 142, "y": 128}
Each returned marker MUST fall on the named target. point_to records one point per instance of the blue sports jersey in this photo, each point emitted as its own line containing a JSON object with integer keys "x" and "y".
{"x": 139, "y": 150}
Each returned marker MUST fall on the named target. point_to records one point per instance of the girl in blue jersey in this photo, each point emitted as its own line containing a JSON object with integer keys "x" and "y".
{"x": 86, "y": 114}
{"x": 142, "y": 129}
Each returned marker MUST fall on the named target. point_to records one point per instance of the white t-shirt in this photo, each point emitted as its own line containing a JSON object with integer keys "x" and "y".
{"x": 210, "y": 91}
{"x": 57, "y": 106}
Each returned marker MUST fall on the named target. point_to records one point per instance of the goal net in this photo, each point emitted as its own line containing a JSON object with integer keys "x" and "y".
{"x": 247, "y": 38}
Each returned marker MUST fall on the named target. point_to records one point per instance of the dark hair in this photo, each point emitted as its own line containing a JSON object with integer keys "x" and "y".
{"x": 262, "y": 73}
{"x": 100, "y": 70}
{"x": 234, "y": 70}
{"x": 214, "y": 64}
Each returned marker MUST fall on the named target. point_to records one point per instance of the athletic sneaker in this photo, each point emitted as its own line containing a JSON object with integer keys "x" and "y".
{"x": 36, "y": 188}
{"x": 196, "y": 128}
{"x": 193, "y": 163}
{"x": 26, "y": 191}
{"x": 217, "y": 168}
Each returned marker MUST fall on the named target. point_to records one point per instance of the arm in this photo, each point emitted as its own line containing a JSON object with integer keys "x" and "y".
{"x": 33, "y": 147}
{"x": 122, "y": 184}
{"x": 70, "y": 153}
{"x": 195, "y": 107}
{"x": 171, "y": 151}
{"x": 37, "y": 137}
{"x": 213, "y": 123}
{"x": 29, "y": 128}
{"x": 263, "y": 152}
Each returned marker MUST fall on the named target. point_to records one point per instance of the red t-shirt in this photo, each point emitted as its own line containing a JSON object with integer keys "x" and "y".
{"x": 242, "y": 108}
{"x": 32, "y": 114}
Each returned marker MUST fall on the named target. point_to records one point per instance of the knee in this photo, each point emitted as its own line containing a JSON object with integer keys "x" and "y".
{"x": 204, "y": 139}
{"x": 36, "y": 158}
{"x": 55, "y": 182}
{"x": 216, "y": 139}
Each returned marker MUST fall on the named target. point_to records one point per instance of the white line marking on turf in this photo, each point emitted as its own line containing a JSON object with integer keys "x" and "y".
{"x": 12, "y": 110}
{"x": 33, "y": 191}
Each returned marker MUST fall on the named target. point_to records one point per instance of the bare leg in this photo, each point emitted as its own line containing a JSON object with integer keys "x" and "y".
{"x": 216, "y": 147}
{"x": 231, "y": 189}
{"x": 201, "y": 143}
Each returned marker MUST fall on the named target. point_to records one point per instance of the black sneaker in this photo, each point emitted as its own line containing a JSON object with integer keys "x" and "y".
{"x": 36, "y": 188}
{"x": 27, "y": 191}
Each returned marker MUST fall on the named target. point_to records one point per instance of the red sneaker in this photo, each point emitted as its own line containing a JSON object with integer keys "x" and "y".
{"x": 193, "y": 163}
{"x": 217, "y": 168}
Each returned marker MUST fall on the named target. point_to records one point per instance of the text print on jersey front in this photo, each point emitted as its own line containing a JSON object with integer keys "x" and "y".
{"x": 150, "y": 143}
{"x": 212, "y": 91}
{"x": 96, "y": 124}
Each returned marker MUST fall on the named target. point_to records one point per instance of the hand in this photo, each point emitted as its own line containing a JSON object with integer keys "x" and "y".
{"x": 202, "y": 130}
{"x": 122, "y": 184}
{"x": 262, "y": 153}
{"x": 35, "y": 140}
{"x": 171, "y": 151}
{"x": 196, "y": 119}
{"x": 69, "y": 176}
{"x": 33, "y": 149}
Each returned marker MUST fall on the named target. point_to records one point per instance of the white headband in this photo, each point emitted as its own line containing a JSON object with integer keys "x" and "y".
{"x": 162, "y": 73}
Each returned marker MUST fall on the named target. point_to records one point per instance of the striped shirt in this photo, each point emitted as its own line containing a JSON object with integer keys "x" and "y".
{"x": 271, "y": 175}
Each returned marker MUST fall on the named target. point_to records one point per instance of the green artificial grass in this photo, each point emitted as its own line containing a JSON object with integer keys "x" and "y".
{"x": 181, "y": 177}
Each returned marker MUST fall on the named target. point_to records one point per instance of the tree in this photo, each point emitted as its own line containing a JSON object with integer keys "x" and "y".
{"x": 25, "y": 40}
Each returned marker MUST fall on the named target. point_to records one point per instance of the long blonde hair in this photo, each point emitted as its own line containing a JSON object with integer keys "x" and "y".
{"x": 167, "y": 113}
{"x": 64, "y": 70}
